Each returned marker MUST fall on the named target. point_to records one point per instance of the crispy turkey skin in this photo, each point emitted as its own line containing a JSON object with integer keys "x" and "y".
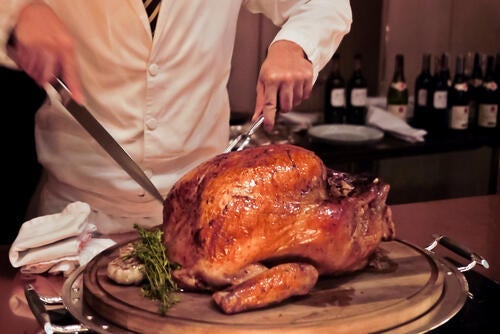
{"x": 262, "y": 224}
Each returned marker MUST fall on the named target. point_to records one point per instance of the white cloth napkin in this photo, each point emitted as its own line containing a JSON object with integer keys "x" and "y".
{"x": 57, "y": 243}
{"x": 299, "y": 120}
{"x": 394, "y": 125}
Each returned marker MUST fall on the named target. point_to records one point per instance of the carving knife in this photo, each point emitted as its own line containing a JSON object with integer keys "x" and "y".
{"x": 108, "y": 143}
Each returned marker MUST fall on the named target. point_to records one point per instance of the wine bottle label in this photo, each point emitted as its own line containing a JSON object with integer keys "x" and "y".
{"x": 459, "y": 117}
{"x": 440, "y": 100}
{"x": 337, "y": 97}
{"x": 422, "y": 97}
{"x": 490, "y": 85}
{"x": 487, "y": 115}
{"x": 462, "y": 87}
{"x": 359, "y": 97}
{"x": 400, "y": 110}
{"x": 477, "y": 82}
{"x": 399, "y": 86}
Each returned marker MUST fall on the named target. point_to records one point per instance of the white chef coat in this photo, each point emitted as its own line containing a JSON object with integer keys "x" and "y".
{"x": 164, "y": 99}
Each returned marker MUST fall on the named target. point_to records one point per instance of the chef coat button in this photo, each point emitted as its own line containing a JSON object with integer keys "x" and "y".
{"x": 151, "y": 123}
{"x": 154, "y": 69}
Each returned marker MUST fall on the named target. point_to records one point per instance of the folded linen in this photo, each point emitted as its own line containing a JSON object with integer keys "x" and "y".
{"x": 58, "y": 242}
{"x": 393, "y": 125}
{"x": 299, "y": 120}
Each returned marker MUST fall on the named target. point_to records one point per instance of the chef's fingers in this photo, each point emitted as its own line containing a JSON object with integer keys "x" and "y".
{"x": 38, "y": 68}
{"x": 270, "y": 106}
{"x": 286, "y": 96}
{"x": 47, "y": 68}
{"x": 43, "y": 68}
{"x": 294, "y": 93}
{"x": 302, "y": 85}
{"x": 266, "y": 103}
{"x": 298, "y": 93}
{"x": 29, "y": 66}
{"x": 307, "y": 86}
{"x": 67, "y": 67}
{"x": 259, "y": 101}
{"x": 42, "y": 46}
{"x": 70, "y": 77}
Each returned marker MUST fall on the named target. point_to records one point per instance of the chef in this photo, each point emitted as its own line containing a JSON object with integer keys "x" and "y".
{"x": 155, "y": 77}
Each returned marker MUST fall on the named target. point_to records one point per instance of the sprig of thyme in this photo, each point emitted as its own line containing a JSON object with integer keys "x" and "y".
{"x": 159, "y": 284}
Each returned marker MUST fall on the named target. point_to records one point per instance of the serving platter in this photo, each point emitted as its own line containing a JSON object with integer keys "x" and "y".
{"x": 345, "y": 134}
{"x": 414, "y": 293}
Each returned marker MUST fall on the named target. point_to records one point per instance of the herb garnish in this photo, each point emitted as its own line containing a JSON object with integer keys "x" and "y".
{"x": 158, "y": 285}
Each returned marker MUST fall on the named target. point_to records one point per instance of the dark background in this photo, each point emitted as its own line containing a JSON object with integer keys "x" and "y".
{"x": 20, "y": 98}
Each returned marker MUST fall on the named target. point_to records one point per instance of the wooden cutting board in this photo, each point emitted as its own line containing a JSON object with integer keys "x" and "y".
{"x": 367, "y": 301}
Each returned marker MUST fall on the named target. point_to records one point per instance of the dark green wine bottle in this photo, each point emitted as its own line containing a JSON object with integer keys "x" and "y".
{"x": 497, "y": 69}
{"x": 475, "y": 83}
{"x": 488, "y": 98}
{"x": 459, "y": 99}
{"x": 445, "y": 68}
{"x": 334, "y": 106}
{"x": 439, "y": 98}
{"x": 423, "y": 88}
{"x": 397, "y": 94}
{"x": 357, "y": 94}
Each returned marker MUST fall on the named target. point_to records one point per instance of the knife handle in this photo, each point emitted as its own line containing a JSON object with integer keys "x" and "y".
{"x": 38, "y": 308}
{"x": 463, "y": 251}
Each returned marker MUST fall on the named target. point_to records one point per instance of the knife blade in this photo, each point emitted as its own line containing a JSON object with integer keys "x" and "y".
{"x": 107, "y": 142}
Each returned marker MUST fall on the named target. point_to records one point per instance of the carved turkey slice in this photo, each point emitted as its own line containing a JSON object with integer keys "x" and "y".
{"x": 260, "y": 225}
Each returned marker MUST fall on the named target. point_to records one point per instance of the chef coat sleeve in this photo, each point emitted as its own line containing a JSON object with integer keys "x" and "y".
{"x": 318, "y": 26}
{"x": 9, "y": 10}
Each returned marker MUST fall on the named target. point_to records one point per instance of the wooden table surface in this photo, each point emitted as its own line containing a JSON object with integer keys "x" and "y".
{"x": 472, "y": 221}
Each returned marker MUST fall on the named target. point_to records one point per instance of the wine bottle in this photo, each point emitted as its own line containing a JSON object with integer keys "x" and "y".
{"x": 475, "y": 82}
{"x": 497, "y": 69}
{"x": 334, "y": 106}
{"x": 423, "y": 86}
{"x": 439, "y": 98}
{"x": 469, "y": 60}
{"x": 488, "y": 98}
{"x": 397, "y": 94}
{"x": 357, "y": 94}
{"x": 497, "y": 80}
{"x": 459, "y": 99}
{"x": 445, "y": 68}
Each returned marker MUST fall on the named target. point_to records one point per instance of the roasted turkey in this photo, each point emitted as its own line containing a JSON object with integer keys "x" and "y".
{"x": 261, "y": 225}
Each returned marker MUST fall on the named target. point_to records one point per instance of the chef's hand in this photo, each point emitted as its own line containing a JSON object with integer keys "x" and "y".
{"x": 43, "y": 48}
{"x": 287, "y": 75}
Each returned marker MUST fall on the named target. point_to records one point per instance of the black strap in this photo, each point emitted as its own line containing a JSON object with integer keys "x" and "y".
{"x": 152, "y": 9}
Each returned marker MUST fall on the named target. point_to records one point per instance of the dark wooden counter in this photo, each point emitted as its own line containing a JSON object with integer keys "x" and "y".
{"x": 472, "y": 221}
{"x": 391, "y": 147}
{"x": 367, "y": 158}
